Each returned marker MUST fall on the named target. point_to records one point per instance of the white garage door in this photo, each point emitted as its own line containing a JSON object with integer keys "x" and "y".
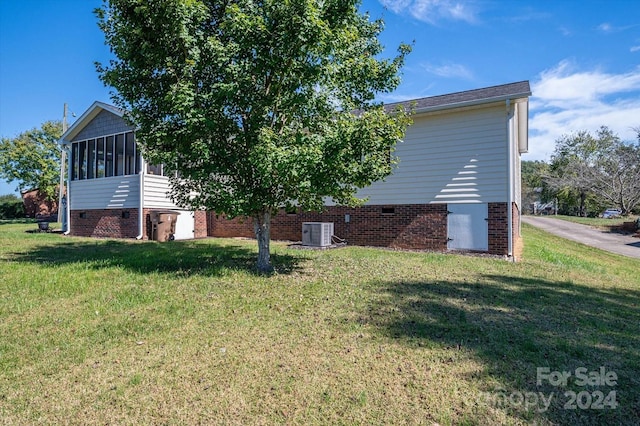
{"x": 184, "y": 226}
{"x": 467, "y": 227}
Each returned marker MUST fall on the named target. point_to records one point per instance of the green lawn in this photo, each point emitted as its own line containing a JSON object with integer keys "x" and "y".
{"x": 124, "y": 332}
{"x": 598, "y": 221}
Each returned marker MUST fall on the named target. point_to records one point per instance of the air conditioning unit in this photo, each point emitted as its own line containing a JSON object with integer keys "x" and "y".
{"x": 317, "y": 234}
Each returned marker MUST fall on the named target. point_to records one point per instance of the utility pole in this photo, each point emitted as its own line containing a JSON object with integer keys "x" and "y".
{"x": 63, "y": 158}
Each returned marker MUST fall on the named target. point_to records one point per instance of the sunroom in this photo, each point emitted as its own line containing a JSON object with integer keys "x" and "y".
{"x": 112, "y": 190}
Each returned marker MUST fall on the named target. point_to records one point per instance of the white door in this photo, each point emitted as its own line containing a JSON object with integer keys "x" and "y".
{"x": 467, "y": 227}
{"x": 185, "y": 226}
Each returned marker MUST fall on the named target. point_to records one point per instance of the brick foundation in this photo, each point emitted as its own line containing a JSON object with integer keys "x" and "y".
{"x": 499, "y": 230}
{"x": 122, "y": 223}
{"x": 200, "y": 225}
{"x": 108, "y": 223}
{"x": 410, "y": 226}
{"x": 413, "y": 226}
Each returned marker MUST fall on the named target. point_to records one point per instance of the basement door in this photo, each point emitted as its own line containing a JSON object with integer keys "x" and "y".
{"x": 185, "y": 225}
{"x": 467, "y": 227}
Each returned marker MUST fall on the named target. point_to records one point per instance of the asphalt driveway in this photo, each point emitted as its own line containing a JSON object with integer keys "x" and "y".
{"x": 625, "y": 245}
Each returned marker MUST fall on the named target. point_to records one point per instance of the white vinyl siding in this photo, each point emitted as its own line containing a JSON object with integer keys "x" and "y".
{"x": 449, "y": 157}
{"x": 156, "y": 193}
{"x": 156, "y": 196}
{"x": 116, "y": 192}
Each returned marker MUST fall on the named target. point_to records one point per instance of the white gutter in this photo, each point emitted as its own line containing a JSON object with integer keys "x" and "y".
{"x": 141, "y": 206}
{"x": 470, "y": 103}
{"x": 509, "y": 182}
{"x": 65, "y": 148}
{"x": 63, "y": 159}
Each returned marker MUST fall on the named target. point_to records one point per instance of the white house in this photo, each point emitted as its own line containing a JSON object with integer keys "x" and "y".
{"x": 456, "y": 187}
{"x": 112, "y": 189}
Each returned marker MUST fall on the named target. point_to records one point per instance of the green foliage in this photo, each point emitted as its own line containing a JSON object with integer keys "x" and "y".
{"x": 7, "y": 198}
{"x": 32, "y": 159}
{"x": 534, "y": 188}
{"x": 257, "y": 105}
{"x": 589, "y": 173}
{"x": 11, "y": 207}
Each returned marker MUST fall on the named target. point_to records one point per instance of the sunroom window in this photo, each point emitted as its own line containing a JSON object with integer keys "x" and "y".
{"x": 113, "y": 155}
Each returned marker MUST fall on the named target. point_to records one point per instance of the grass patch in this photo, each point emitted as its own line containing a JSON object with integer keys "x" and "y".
{"x": 598, "y": 222}
{"x": 124, "y": 332}
{"x": 17, "y": 221}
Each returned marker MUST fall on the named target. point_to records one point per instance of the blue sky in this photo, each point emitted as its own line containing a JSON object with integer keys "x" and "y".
{"x": 582, "y": 58}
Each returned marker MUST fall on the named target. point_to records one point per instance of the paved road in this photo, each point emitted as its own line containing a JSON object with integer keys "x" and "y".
{"x": 616, "y": 243}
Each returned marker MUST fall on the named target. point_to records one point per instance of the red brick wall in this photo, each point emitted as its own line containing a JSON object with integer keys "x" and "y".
{"x": 499, "y": 230}
{"x": 220, "y": 226}
{"x": 105, "y": 223}
{"x": 412, "y": 226}
{"x": 416, "y": 226}
{"x": 200, "y": 225}
{"x": 111, "y": 223}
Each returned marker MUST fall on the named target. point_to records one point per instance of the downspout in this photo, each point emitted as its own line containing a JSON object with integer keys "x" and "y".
{"x": 509, "y": 182}
{"x": 141, "y": 206}
{"x": 68, "y": 206}
{"x": 63, "y": 153}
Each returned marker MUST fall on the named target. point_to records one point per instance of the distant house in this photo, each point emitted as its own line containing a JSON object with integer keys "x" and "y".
{"x": 36, "y": 205}
{"x": 456, "y": 187}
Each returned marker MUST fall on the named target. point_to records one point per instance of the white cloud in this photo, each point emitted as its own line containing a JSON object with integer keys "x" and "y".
{"x": 634, "y": 49}
{"x": 433, "y": 11}
{"x": 605, "y": 27}
{"x": 566, "y": 100}
{"x": 449, "y": 70}
{"x": 565, "y": 31}
{"x": 562, "y": 87}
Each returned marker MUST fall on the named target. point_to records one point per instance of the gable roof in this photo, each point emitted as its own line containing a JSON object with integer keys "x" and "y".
{"x": 502, "y": 92}
{"x": 484, "y": 95}
{"x": 86, "y": 118}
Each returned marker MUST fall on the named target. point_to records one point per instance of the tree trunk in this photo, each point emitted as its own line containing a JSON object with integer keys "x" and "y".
{"x": 262, "y": 228}
{"x": 582, "y": 209}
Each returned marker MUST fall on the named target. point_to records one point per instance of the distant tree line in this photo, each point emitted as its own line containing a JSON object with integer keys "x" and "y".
{"x": 586, "y": 174}
{"x": 11, "y": 207}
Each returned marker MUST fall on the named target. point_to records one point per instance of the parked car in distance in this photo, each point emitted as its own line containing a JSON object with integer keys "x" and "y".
{"x": 611, "y": 213}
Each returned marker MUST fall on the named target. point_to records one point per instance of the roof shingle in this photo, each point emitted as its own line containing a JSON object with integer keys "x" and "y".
{"x": 486, "y": 94}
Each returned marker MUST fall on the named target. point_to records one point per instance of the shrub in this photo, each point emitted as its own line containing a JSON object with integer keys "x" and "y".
{"x": 11, "y": 207}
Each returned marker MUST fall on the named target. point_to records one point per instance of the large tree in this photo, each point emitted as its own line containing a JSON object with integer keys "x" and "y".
{"x": 599, "y": 166}
{"x": 569, "y": 168}
{"x": 32, "y": 159}
{"x": 257, "y": 104}
{"x": 616, "y": 177}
